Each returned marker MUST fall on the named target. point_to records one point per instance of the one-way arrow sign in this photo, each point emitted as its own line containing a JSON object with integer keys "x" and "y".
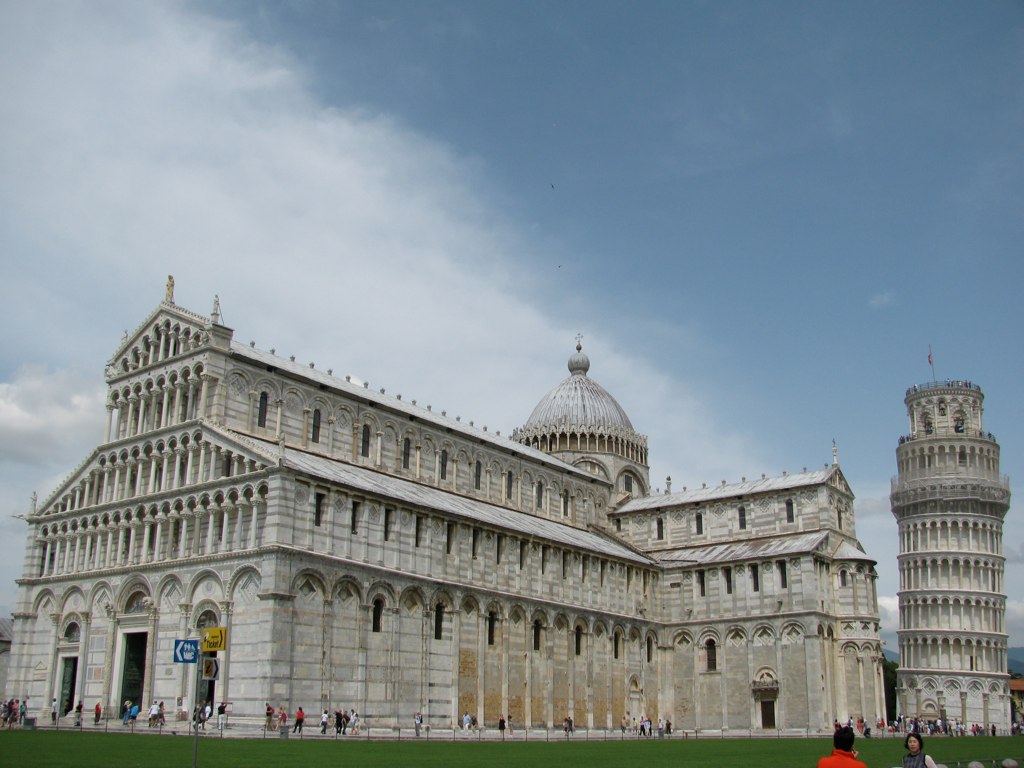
{"x": 186, "y": 651}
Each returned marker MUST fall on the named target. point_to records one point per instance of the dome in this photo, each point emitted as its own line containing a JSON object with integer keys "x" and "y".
{"x": 578, "y": 401}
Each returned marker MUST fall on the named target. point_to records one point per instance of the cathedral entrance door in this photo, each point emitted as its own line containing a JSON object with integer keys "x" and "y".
{"x": 133, "y": 668}
{"x": 767, "y": 713}
{"x": 69, "y": 675}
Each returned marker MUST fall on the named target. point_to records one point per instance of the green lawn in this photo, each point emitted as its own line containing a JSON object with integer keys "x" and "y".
{"x": 41, "y": 749}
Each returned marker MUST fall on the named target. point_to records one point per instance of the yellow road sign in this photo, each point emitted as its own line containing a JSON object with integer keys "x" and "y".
{"x": 211, "y": 668}
{"x": 215, "y": 639}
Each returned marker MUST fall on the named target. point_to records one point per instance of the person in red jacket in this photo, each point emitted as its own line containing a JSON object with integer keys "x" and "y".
{"x": 843, "y": 754}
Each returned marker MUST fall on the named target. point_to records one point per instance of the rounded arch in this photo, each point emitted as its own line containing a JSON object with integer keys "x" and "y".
{"x": 238, "y": 578}
{"x": 209, "y": 582}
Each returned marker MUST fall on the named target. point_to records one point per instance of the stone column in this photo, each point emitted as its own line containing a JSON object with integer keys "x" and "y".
{"x": 110, "y": 422}
{"x": 226, "y": 608}
{"x": 52, "y": 671}
{"x": 83, "y": 655}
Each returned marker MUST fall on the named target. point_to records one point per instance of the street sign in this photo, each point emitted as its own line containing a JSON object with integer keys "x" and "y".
{"x": 211, "y": 668}
{"x": 215, "y": 639}
{"x": 186, "y": 651}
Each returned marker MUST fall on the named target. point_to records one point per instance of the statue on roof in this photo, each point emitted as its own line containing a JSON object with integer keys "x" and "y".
{"x": 169, "y": 297}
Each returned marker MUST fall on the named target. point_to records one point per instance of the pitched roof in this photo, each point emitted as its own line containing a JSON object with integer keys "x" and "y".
{"x": 746, "y": 549}
{"x": 731, "y": 490}
{"x": 6, "y": 629}
{"x": 470, "y": 509}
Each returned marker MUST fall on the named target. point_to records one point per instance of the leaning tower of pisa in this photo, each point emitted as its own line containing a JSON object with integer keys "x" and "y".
{"x": 949, "y": 501}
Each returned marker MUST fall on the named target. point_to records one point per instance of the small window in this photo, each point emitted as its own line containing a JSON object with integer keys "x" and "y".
{"x": 438, "y": 621}
{"x": 444, "y": 465}
{"x": 543, "y": 558}
{"x": 650, "y": 649}
{"x": 789, "y": 511}
{"x": 536, "y": 634}
{"x": 565, "y": 565}
{"x": 499, "y": 545}
{"x": 539, "y": 500}
{"x": 418, "y": 535}
{"x": 962, "y": 457}
{"x": 842, "y": 578}
{"x": 615, "y": 645}
{"x": 628, "y": 483}
{"x": 389, "y": 516}
{"x": 698, "y": 520}
{"x": 364, "y": 444}
{"x": 727, "y": 575}
{"x": 355, "y": 517}
{"x": 318, "y": 508}
{"x": 261, "y": 419}
{"x": 522, "y": 555}
{"x": 478, "y": 475}
{"x": 508, "y": 485}
{"x": 579, "y": 639}
{"x": 661, "y": 529}
{"x": 492, "y": 620}
{"x": 315, "y": 436}
{"x": 783, "y": 576}
{"x": 701, "y": 584}
{"x": 565, "y": 504}
{"x": 618, "y": 525}
{"x": 449, "y": 540}
{"x": 378, "y": 614}
{"x": 839, "y": 518}
{"x": 476, "y": 541}
{"x": 755, "y": 577}
{"x": 742, "y": 516}
{"x": 711, "y": 656}
{"x": 406, "y": 452}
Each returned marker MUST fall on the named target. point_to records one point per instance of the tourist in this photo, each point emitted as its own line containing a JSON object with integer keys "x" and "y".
{"x": 325, "y": 720}
{"x": 300, "y": 718}
{"x": 843, "y": 754}
{"x": 269, "y": 724}
{"x": 915, "y": 757}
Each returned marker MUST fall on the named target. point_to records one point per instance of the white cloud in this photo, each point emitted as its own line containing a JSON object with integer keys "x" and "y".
{"x": 882, "y": 299}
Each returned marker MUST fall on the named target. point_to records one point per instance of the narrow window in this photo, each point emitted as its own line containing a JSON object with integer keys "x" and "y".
{"x": 618, "y": 525}
{"x": 842, "y": 578}
{"x": 261, "y": 419}
{"x": 364, "y": 444}
{"x": 539, "y": 501}
{"x": 650, "y": 649}
{"x": 701, "y": 583}
{"x": 355, "y": 517}
{"x": 783, "y": 576}
{"x": 477, "y": 475}
{"x": 499, "y": 542}
{"x": 712, "y": 656}
{"x": 492, "y": 619}
{"x": 389, "y": 515}
{"x": 378, "y": 614}
{"x": 508, "y": 485}
{"x": 565, "y": 565}
{"x": 565, "y": 503}
{"x": 699, "y": 521}
{"x": 315, "y": 436}
{"x": 543, "y": 558}
{"x": 743, "y": 518}
{"x": 449, "y": 537}
{"x": 627, "y": 481}
{"x": 839, "y": 519}
{"x": 629, "y": 578}
{"x": 419, "y": 530}
{"x": 962, "y": 457}
{"x": 584, "y": 564}
{"x": 406, "y": 451}
{"x": 444, "y": 465}
{"x": 579, "y": 639}
{"x": 615, "y": 646}
{"x": 727, "y": 574}
{"x": 438, "y": 621}
{"x": 755, "y": 578}
{"x": 602, "y": 572}
{"x": 476, "y": 541}
{"x": 661, "y": 529}
{"x": 536, "y": 634}
{"x": 522, "y": 555}
{"x": 789, "y": 511}
{"x": 318, "y": 509}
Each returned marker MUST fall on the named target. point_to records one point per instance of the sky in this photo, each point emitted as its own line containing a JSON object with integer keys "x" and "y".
{"x": 760, "y": 216}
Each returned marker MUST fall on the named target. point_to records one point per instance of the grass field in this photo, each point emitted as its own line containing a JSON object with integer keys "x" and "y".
{"x": 42, "y": 749}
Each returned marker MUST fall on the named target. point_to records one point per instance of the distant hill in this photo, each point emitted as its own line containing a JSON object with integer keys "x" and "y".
{"x": 1015, "y": 659}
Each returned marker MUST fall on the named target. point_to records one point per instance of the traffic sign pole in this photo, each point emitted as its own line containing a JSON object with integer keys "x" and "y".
{"x": 195, "y": 712}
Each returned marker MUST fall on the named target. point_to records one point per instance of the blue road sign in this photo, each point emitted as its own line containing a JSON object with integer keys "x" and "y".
{"x": 186, "y": 651}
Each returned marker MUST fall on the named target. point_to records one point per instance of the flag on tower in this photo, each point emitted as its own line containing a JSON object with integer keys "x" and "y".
{"x": 930, "y": 361}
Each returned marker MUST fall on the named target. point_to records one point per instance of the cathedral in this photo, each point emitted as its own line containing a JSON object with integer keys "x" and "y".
{"x": 364, "y": 552}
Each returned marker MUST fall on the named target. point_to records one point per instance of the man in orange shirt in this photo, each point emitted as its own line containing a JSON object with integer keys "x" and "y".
{"x": 843, "y": 755}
